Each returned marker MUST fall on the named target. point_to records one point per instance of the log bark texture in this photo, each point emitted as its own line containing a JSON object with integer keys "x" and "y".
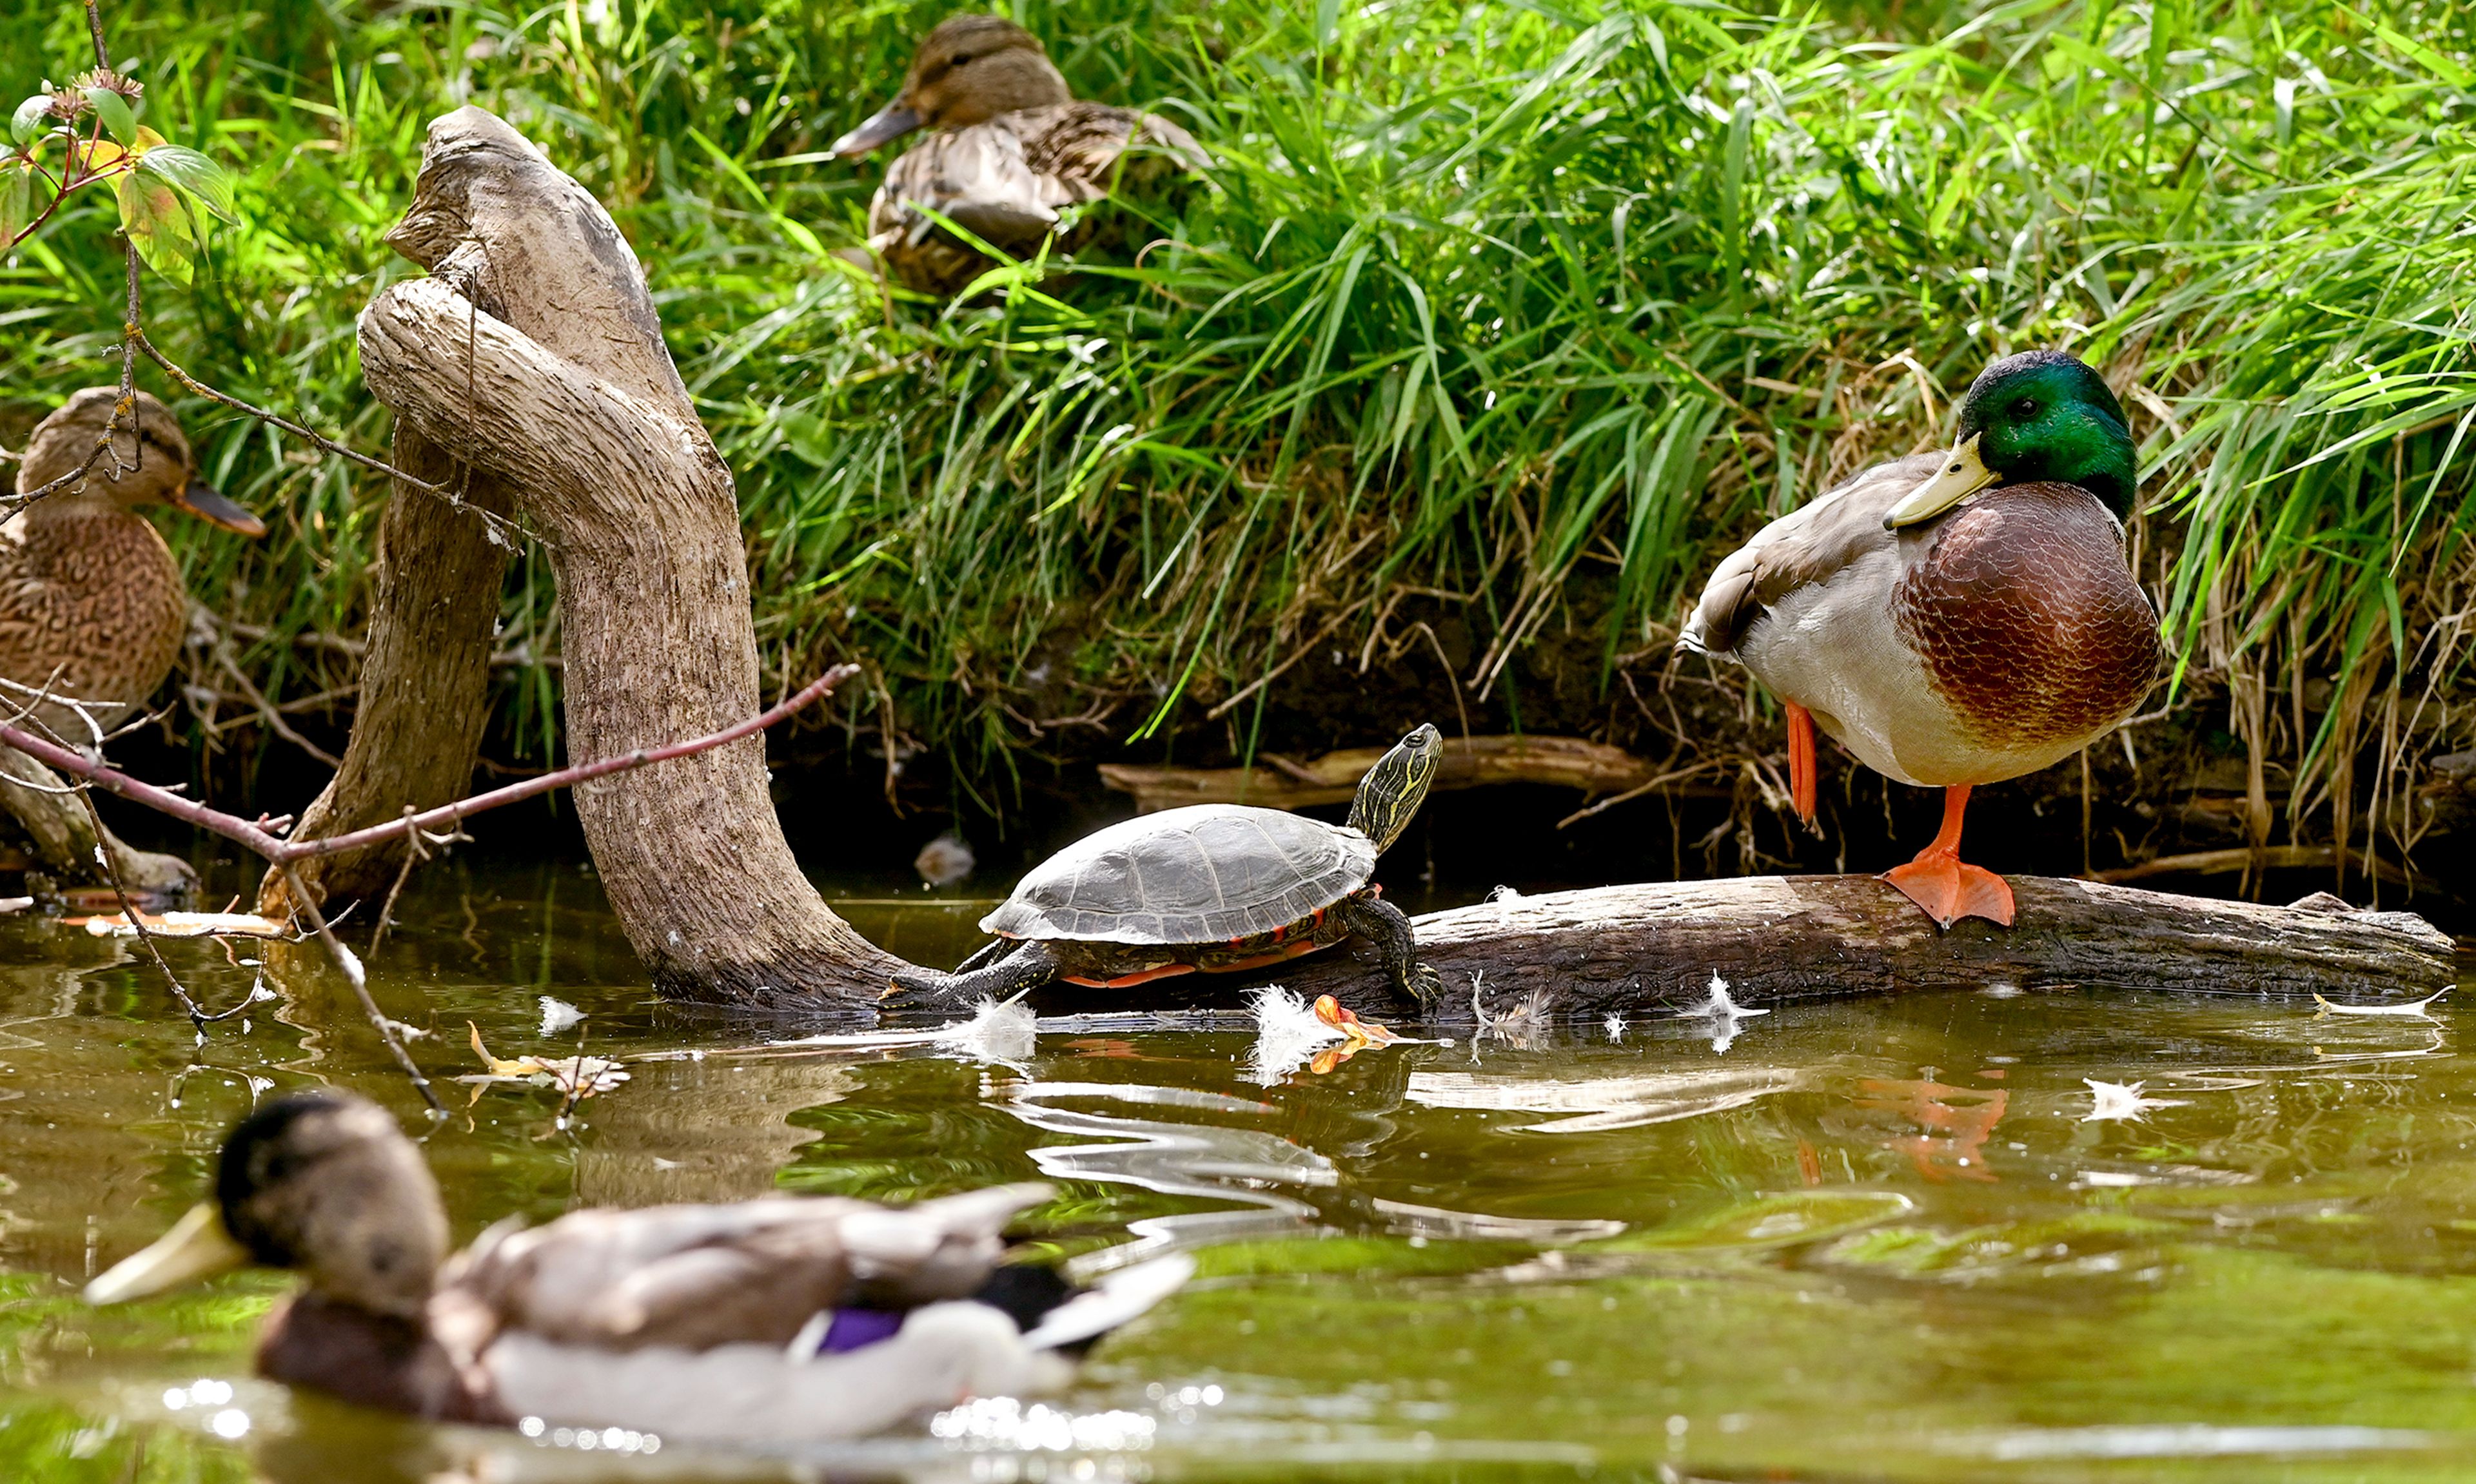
{"x": 1776, "y": 940}
{"x": 425, "y": 679}
{"x": 1280, "y": 783}
{"x": 566, "y": 392}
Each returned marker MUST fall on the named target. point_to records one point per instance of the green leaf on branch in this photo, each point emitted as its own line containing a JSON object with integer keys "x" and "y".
{"x": 114, "y": 112}
{"x": 205, "y": 181}
{"x": 157, "y": 223}
{"x": 16, "y": 199}
{"x": 27, "y": 121}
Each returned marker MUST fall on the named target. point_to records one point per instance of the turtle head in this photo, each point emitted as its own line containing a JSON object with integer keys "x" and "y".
{"x": 1395, "y": 787}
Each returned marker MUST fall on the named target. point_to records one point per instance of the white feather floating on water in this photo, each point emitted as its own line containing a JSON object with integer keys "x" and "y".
{"x": 2419, "y": 1009}
{"x": 999, "y": 1031}
{"x": 558, "y": 1015}
{"x": 1716, "y": 1006}
{"x": 1287, "y": 1033}
{"x": 2122, "y": 1100}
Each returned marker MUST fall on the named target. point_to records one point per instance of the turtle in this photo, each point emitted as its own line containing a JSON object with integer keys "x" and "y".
{"x": 1210, "y": 887}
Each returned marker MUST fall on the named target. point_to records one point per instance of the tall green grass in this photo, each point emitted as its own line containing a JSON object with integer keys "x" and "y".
{"x": 1518, "y": 312}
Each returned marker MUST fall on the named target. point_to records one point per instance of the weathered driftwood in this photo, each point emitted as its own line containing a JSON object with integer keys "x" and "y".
{"x": 1622, "y": 950}
{"x": 585, "y": 419}
{"x": 1280, "y": 783}
{"x": 424, "y": 673}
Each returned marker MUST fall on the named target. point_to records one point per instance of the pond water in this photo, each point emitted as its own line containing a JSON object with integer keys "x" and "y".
{"x": 1874, "y": 1240}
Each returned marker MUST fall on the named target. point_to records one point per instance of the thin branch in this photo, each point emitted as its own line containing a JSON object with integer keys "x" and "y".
{"x": 361, "y": 982}
{"x": 455, "y": 498}
{"x": 256, "y": 837}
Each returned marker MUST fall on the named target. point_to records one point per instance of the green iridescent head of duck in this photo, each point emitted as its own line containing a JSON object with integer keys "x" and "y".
{"x": 1395, "y": 786}
{"x": 969, "y": 70}
{"x": 323, "y": 1182}
{"x": 2038, "y": 417}
{"x": 149, "y": 465}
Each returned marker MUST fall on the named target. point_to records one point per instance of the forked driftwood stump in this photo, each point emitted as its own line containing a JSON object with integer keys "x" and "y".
{"x": 584, "y": 418}
{"x": 533, "y": 355}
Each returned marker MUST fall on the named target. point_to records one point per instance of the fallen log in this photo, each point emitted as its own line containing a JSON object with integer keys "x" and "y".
{"x": 1280, "y": 783}
{"x": 1780, "y": 940}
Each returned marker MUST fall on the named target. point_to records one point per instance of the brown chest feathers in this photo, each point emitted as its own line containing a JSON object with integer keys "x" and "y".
{"x": 90, "y": 595}
{"x": 2028, "y": 619}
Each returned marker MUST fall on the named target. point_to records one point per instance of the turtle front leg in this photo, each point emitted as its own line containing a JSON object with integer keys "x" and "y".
{"x": 1387, "y": 927}
{"x": 1028, "y": 966}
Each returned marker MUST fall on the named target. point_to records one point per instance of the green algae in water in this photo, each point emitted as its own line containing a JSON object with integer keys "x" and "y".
{"x": 1880, "y": 1240}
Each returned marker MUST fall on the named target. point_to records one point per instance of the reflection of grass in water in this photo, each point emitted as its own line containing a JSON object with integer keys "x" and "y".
{"x": 50, "y": 1430}
{"x": 1487, "y": 300}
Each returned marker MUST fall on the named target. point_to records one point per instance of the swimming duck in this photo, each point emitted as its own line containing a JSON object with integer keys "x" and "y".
{"x": 1957, "y": 618}
{"x": 91, "y": 603}
{"x": 1010, "y": 148}
{"x": 781, "y": 1319}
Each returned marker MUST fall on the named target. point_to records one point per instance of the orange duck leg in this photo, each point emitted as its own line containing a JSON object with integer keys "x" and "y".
{"x": 1947, "y": 887}
{"x": 1800, "y": 761}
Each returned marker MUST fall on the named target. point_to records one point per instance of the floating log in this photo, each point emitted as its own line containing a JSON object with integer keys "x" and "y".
{"x": 1780, "y": 940}
{"x": 1279, "y": 782}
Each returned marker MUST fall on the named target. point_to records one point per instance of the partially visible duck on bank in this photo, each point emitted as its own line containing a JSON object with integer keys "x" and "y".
{"x": 1957, "y": 618}
{"x": 92, "y": 606}
{"x": 1009, "y": 149}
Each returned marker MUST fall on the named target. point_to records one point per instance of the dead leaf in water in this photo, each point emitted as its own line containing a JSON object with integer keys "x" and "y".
{"x": 575, "y": 1077}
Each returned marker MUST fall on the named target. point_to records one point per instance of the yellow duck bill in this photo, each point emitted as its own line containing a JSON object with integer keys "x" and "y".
{"x": 1964, "y": 473}
{"x": 196, "y": 1248}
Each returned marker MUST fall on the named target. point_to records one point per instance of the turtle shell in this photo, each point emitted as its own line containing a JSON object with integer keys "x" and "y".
{"x": 1203, "y": 874}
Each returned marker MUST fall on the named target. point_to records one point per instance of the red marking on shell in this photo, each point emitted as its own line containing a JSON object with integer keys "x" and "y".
{"x": 2028, "y": 618}
{"x": 1127, "y": 981}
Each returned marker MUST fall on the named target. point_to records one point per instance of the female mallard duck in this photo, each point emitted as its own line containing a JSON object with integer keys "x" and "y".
{"x": 92, "y": 602}
{"x": 1955, "y": 619}
{"x": 1009, "y": 149}
{"x": 92, "y": 605}
{"x": 779, "y": 1319}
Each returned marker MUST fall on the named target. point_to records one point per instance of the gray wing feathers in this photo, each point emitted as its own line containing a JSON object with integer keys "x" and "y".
{"x": 1808, "y": 545}
{"x": 695, "y": 1277}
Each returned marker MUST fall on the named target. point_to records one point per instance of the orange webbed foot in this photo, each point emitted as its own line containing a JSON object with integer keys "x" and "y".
{"x": 1949, "y": 889}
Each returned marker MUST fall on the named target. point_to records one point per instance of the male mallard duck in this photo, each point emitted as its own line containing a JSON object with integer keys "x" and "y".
{"x": 778, "y": 1320}
{"x": 1010, "y": 148}
{"x": 1955, "y": 619}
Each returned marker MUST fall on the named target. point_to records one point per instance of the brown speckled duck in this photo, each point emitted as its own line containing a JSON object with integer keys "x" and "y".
{"x": 1009, "y": 149}
{"x": 90, "y": 599}
{"x": 1955, "y": 619}
{"x": 92, "y": 606}
{"x": 783, "y": 1320}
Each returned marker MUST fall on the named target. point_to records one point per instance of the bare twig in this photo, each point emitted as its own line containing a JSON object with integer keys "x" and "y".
{"x": 198, "y": 1018}
{"x": 499, "y": 523}
{"x": 361, "y": 982}
{"x": 258, "y": 837}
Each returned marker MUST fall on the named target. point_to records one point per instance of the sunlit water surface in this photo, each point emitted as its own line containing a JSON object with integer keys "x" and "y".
{"x": 1879, "y": 1239}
